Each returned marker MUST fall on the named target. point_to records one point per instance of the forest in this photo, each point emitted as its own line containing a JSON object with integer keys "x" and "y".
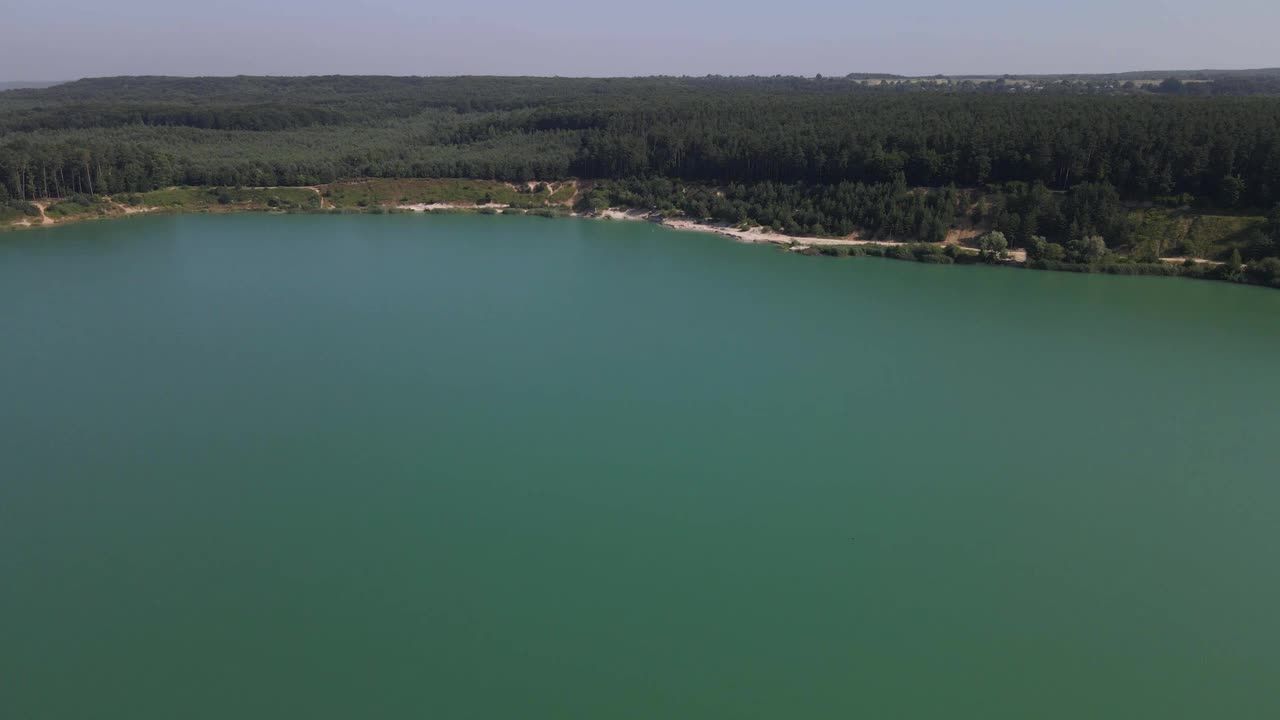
{"x": 803, "y": 155}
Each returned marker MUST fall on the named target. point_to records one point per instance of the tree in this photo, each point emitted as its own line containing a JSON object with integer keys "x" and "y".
{"x": 993, "y": 243}
{"x": 979, "y": 211}
{"x": 1231, "y": 270}
{"x": 1090, "y": 249}
{"x": 1265, "y": 271}
{"x": 1260, "y": 243}
{"x": 1041, "y": 249}
{"x": 1232, "y": 191}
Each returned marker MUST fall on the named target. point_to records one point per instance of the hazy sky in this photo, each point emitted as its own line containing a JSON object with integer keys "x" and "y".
{"x": 85, "y": 38}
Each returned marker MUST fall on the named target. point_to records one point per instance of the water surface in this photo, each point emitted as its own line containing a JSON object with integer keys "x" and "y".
{"x": 488, "y": 467}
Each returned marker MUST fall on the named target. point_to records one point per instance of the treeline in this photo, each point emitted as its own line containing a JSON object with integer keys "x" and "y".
{"x": 1228, "y": 85}
{"x": 137, "y": 134}
{"x": 1264, "y": 272}
{"x": 882, "y": 211}
{"x": 257, "y": 117}
{"x": 1083, "y": 224}
{"x": 1221, "y": 151}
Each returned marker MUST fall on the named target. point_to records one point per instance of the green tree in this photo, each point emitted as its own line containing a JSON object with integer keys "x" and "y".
{"x": 1232, "y": 191}
{"x": 1231, "y": 270}
{"x": 993, "y": 243}
{"x": 1041, "y": 249}
{"x": 1090, "y": 249}
{"x": 1265, "y": 271}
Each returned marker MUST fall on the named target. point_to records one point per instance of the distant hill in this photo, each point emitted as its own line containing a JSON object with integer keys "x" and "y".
{"x": 1121, "y": 76}
{"x": 27, "y": 84}
{"x": 1193, "y": 74}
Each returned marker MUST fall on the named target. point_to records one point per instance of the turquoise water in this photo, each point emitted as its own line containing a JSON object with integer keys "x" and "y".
{"x": 489, "y": 467}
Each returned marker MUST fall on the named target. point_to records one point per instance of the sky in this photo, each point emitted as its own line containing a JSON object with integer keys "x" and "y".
{"x": 82, "y": 38}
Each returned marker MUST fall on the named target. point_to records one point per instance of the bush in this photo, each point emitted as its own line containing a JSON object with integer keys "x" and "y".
{"x": 1264, "y": 272}
{"x": 927, "y": 253}
{"x": 25, "y": 208}
{"x": 548, "y": 212}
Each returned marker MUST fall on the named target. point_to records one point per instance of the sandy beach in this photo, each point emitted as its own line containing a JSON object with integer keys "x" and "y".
{"x": 760, "y": 235}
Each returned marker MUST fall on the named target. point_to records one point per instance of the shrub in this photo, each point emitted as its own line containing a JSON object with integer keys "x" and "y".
{"x": 1264, "y": 272}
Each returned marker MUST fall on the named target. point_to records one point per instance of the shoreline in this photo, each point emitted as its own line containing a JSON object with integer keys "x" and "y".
{"x": 759, "y": 235}
{"x": 950, "y": 251}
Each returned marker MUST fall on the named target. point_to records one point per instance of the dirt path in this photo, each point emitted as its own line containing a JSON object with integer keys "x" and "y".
{"x": 324, "y": 201}
{"x": 427, "y": 207}
{"x": 44, "y": 219}
{"x": 552, "y": 189}
{"x": 1197, "y": 261}
{"x": 127, "y": 210}
{"x": 577, "y": 190}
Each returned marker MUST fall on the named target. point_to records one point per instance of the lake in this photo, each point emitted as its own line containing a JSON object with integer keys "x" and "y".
{"x": 502, "y": 467}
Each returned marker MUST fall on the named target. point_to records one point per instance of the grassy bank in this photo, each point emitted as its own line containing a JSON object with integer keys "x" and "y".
{"x": 1265, "y": 272}
{"x": 354, "y": 196}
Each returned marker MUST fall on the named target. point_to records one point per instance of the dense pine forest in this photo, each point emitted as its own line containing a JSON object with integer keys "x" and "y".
{"x": 1055, "y": 163}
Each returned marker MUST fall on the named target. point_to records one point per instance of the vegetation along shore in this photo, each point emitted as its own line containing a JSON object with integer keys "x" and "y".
{"x": 1106, "y": 177}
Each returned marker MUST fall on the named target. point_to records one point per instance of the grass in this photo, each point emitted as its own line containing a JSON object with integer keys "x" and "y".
{"x": 172, "y": 197}
{"x": 379, "y": 192}
{"x": 67, "y": 209}
{"x": 10, "y": 214}
{"x": 211, "y": 199}
{"x": 563, "y": 194}
{"x": 1222, "y": 233}
{"x": 355, "y": 196}
{"x": 1161, "y": 232}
